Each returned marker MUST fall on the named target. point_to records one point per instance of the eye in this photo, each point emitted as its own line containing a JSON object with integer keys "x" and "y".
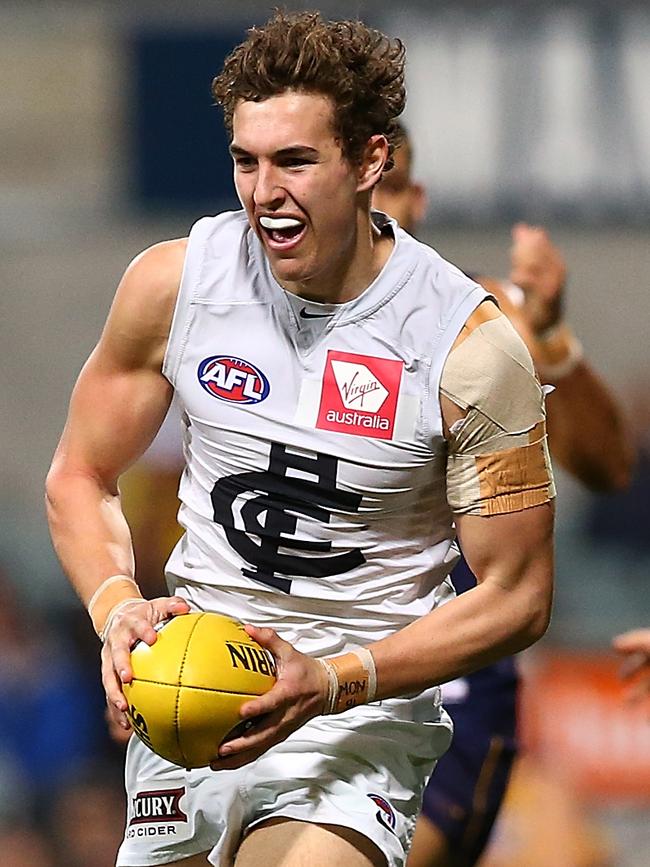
{"x": 244, "y": 163}
{"x": 296, "y": 162}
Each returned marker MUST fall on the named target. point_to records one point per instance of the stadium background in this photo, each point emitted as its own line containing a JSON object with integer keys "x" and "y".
{"x": 109, "y": 142}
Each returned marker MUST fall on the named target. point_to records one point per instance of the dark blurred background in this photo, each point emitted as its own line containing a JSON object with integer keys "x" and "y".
{"x": 109, "y": 142}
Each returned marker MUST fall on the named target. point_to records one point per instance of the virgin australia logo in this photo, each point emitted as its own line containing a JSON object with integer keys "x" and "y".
{"x": 358, "y": 386}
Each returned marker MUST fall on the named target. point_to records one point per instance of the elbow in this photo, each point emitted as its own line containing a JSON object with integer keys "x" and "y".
{"x": 617, "y": 468}
{"x": 536, "y": 620}
{"x": 617, "y": 476}
{"x": 66, "y": 482}
{"x": 51, "y": 485}
{"x": 538, "y": 625}
{"x": 53, "y": 492}
{"x": 608, "y": 477}
{"x": 620, "y": 477}
{"x": 620, "y": 482}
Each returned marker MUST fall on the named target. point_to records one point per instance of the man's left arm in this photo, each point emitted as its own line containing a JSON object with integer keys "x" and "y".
{"x": 508, "y": 610}
{"x": 500, "y": 488}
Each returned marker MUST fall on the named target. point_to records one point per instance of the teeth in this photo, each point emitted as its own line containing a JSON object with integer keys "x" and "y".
{"x": 279, "y": 222}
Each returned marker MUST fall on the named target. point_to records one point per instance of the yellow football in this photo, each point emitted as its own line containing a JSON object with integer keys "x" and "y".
{"x": 188, "y": 687}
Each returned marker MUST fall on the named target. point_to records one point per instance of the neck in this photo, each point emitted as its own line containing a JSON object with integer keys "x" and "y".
{"x": 358, "y": 264}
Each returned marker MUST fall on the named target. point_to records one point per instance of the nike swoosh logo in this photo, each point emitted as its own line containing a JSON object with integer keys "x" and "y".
{"x": 305, "y": 315}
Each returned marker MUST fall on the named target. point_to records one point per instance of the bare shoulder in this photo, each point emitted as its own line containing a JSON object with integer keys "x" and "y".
{"x": 496, "y": 288}
{"x": 140, "y": 318}
{"x": 151, "y": 282}
{"x": 486, "y": 311}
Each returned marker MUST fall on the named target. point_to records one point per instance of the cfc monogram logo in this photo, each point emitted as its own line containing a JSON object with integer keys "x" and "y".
{"x": 267, "y": 506}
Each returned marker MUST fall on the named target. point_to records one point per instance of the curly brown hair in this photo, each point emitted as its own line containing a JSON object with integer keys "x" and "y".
{"x": 360, "y": 69}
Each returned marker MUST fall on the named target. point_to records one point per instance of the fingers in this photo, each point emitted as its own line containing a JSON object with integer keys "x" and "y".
{"x": 170, "y": 606}
{"x": 634, "y": 647}
{"x": 115, "y": 699}
{"x": 237, "y": 760}
{"x": 116, "y": 730}
{"x": 634, "y": 641}
{"x": 136, "y": 622}
{"x": 633, "y": 663}
{"x": 257, "y": 736}
{"x": 296, "y": 697}
{"x": 131, "y": 624}
{"x": 268, "y": 703}
{"x": 524, "y": 231}
{"x": 252, "y": 744}
{"x": 270, "y": 640}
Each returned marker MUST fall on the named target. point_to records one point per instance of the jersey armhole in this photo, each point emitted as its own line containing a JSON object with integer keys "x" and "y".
{"x": 183, "y": 309}
{"x": 442, "y": 347}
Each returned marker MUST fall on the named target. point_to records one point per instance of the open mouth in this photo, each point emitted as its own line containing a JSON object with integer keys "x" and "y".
{"x": 282, "y": 233}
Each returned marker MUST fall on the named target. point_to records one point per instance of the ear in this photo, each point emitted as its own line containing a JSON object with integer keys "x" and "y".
{"x": 372, "y": 163}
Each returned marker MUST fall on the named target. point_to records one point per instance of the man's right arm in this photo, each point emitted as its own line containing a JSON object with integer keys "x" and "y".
{"x": 118, "y": 403}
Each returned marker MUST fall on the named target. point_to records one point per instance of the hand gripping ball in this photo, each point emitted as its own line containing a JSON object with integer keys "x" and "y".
{"x": 188, "y": 687}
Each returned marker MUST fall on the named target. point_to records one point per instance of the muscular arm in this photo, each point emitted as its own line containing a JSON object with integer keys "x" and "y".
{"x": 508, "y": 610}
{"x": 507, "y": 539}
{"x": 588, "y": 433}
{"x": 118, "y": 403}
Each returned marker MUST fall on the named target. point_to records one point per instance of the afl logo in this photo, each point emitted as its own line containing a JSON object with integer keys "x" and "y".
{"x": 233, "y": 379}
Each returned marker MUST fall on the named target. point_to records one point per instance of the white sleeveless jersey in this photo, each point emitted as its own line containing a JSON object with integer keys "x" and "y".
{"x": 314, "y": 496}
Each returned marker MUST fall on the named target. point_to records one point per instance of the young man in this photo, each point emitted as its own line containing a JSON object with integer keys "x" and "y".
{"x": 588, "y": 435}
{"x": 339, "y": 382}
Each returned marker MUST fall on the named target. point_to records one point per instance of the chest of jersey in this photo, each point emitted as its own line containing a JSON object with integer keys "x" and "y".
{"x": 314, "y": 457}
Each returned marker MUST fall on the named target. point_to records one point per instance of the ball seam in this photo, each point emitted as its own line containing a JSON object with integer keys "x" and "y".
{"x": 178, "y": 694}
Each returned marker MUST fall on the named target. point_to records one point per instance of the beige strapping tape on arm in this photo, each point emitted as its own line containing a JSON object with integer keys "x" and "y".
{"x": 498, "y": 459}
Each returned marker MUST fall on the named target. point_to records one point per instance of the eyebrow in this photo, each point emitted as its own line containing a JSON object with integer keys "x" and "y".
{"x": 293, "y": 151}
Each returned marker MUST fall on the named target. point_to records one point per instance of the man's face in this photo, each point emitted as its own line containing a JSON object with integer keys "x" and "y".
{"x": 299, "y": 191}
{"x": 397, "y": 195}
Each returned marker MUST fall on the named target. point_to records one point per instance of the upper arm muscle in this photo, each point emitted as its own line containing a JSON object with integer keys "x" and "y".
{"x": 493, "y": 406}
{"x": 121, "y": 396}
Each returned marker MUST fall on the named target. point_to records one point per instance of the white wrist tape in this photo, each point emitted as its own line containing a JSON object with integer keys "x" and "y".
{"x": 104, "y": 586}
{"x": 368, "y": 661}
{"x": 567, "y": 365}
{"x": 332, "y": 687}
{"x": 111, "y": 592}
{"x": 351, "y": 680}
{"x": 115, "y": 610}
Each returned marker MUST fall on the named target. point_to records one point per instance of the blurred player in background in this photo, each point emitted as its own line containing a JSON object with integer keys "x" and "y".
{"x": 588, "y": 436}
{"x": 634, "y": 648}
{"x": 149, "y": 496}
{"x": 335, "y": 442}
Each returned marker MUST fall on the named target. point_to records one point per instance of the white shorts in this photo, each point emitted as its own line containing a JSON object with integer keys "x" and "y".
{"x": 364, "y": 769}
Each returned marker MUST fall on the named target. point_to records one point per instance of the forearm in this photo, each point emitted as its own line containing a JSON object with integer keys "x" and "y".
{"x": 89, "y": 531}
{"x": 586, "y": 427}
{"x": 479, "y": 627}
